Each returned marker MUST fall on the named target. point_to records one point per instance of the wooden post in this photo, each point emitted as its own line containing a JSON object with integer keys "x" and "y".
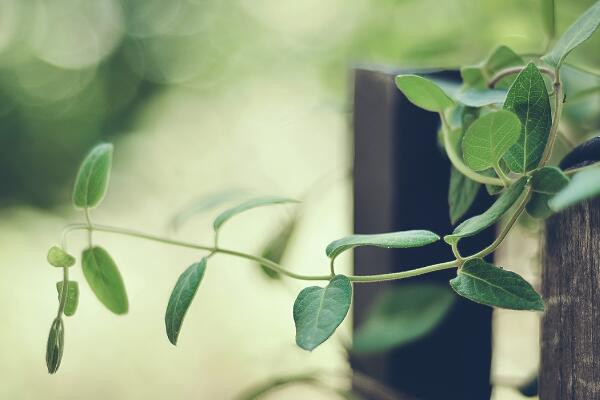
{"x": 570, "y": 353}
{"x": 401, "y": 182}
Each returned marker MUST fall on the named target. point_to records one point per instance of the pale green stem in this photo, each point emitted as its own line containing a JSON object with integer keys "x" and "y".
{"x": 505, "y": 179}
{"x": 558, "y": 105}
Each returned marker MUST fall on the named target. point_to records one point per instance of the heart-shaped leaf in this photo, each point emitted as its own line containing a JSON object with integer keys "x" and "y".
{"x": 181, "y": 298}
{"x": 248, "y": 205}
{"x": 59, "y": 258}
{"x": 92, "y": 179}
{"x": 401, "y": 315}
{"x": 319, "y": 311}
{"x": 72, "y": 299}
{"x": 583, "y": 186}
{"x": 105, "y": 280}
{"x": 528, "y": 98}
{"x": 548, "y": 180}
{"x": 423, "y": 93}
{"x": 391, "y": 240}
{"x": 576, "y": 34}
{"x": 488, "y": 138}
{"x": 487, "y": 284}
{"x": 478, "y": 223}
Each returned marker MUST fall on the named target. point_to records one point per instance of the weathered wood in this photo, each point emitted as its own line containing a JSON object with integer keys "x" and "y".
{"x": 570, "y": 343}
{"x": 400, "y": 182}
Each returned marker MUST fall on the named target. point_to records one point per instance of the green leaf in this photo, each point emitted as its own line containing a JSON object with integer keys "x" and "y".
{"x": 72, "y": 299}
{"x": 549, "y": 18}
{"x": 423, "y": 93}
{"x": 105, "y": 280}
{"x": 583, "y": 186}
{"x": 528, "y": 98}
{"x": 401, "y": 315}
{"x": 481, "y": 97}
{"x": 478, "y": 75}
{"x": 488, "y": 138}
{"x": 277, "y": 246}
{"x": 576, "y": 34}
{"x": 461, "y": 194}
{"x": 478, "y": 223}
{"x": 181, "y": 298}
{"x": 261, "y": 390}
{"x": 391, "y": 240}
{"x": 92, "y": 179}
{"x": 487, "y": 284}
{"x": 248, "y": 205}
{"x": 319, "y": 311}
{"x": 538, "y": 207}
{"x": 59, "y": 258}
{"x": 548, "y": 180}
{"x": 55, "y": 345}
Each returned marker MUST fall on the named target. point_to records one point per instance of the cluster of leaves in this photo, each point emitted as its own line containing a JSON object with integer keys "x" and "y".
{"x": 498, "y": 130}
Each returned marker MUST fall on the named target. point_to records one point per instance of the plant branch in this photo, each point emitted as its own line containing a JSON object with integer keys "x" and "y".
{"x": 558, "y": 105}
{"x": 515, "y": 70}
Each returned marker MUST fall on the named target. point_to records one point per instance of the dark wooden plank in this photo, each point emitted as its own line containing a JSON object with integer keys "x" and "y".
{"x": 401, "y": 182}
{"x": 570, "y": 353}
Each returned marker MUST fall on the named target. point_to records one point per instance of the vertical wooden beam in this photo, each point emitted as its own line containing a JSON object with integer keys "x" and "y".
{"x": 570, "y": 353}
{"x": 400, "y": 182}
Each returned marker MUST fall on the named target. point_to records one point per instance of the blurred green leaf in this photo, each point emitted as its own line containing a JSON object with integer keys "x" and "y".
{"x": 72, "y": 299}
{"x": 481, "y": 97}
{"x": 105, "y": 280}
{"x": 391, "y": 240}
{"x": 487, "y": 284}
{"x": 259, "y": 391}
{"x": 548, "y": 180}
{"x": 92, "y": 179}
{"x": 248, "y": 205}
{"x": 59, "y": 258}
{"x": 402, "y": 314}
{"x": 461, "y": 194}
{"x": 478, "y": 75}
{"x": 583, "y": 186}
{"x": 549, "y": 18}
{"x": 181, "y": 297}
{"x": 423, "y": 93}
{"x": 538, "y": 207}
{"x": 277, "y": 246}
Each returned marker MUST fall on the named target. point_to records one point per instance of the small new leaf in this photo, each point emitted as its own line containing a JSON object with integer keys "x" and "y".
{"x": 528, "y": 98}
{"x": 576, "y": 34}
{"x": 181, "y": 298}
{"x": 487, "y": 284}
{"x": 478, "y": 223}
{"x": 72, "y": 299}
{"x": 423, "y": 93}
{"x": 92, "y": 179}
{"x": 548, "y": 180}
{"x": 488, "y": 138}
{"x": 59, "y": 258}
{"x": 319, "y": 311}
{"x": 248, "y": 205}
{"x": 105, "y": 280}
{"x": 391, "y": 240}
{"x": 55, "y": 345}
{"x": 583, "y": 186}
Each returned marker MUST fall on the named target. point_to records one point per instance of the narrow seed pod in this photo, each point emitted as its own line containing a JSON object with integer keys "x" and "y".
{"x": 55, "y": 346}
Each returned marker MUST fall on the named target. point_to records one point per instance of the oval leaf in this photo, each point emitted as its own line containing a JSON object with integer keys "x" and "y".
{"x": 55, "y": 345}
{"x": 391, "y": 240}
{"x": 401, "y": 315}
{"x": 577, "y": 33}
{"x": 319, "y": 311}
{"x": 181, "y": 298}
{"x": 487, "y": 284}
{"x": 72, "y": 299}
{"x": 248, "y": 205}
{"x": 583, "y": 186}
{"x": 92, "y": 178}
{"x": 59, "y": 258}
{"x": 478, "y": 223}
{"x": 548, "y": 180}
{"x": 105, "y": 280}
{"x": 423, "y": 93}
{"x": 488, "y": 138}
{"x": 461, "y": 194}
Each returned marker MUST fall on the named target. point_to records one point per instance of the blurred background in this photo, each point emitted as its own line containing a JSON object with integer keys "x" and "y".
{"x": 200, "y": 96}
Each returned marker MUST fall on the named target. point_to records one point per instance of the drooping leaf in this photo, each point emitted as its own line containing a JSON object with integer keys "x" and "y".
{"x": 59, "y": 258}
{"x": 319, "y": 311}
{"x": 92, "y": 179}
{"x": 488, "y": 138}
{"x": 528, "y": 98}
{"x": 391, "y": 240}
{"x": 583, "y": 186}
{"x": 481, "y": 97}
{"x": 576, "y": 34}
{"x": 538, "y": 207}
{"x": 423, "y": 93}
{"x": 401, "y": 315}
{"x": 549, "y": 18}
{"x": 248, "y": 205}
{"x": 548, "y": 180}
{"x": 277, "y": 246}
{"x": 181, "y": 298}
{"x": 55, "y": 345}
{"x": 461, "y": 194}
{"x": 72, "y": 299}
{"x": 105, "y": 280}
{"x": 487, "y": 284}
{"x": 477, "y": 76}
{"x": 478, "y": 223}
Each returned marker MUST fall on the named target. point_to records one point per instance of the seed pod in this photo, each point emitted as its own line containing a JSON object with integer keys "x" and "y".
{"x": 60, "y": 258}
{"x": 55, "y": 346}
